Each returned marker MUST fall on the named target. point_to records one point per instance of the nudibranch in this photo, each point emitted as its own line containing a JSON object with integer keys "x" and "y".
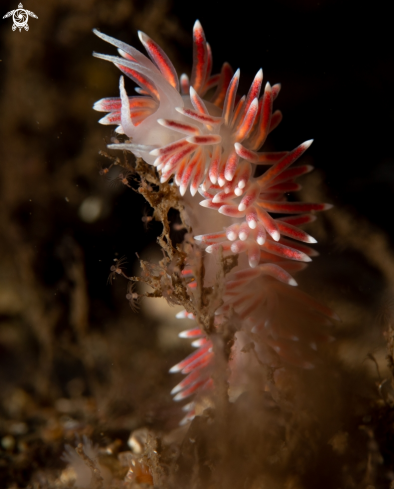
{"x": 203, "y": 135}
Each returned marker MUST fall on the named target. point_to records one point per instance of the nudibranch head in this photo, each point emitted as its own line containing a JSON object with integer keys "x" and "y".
{"x": 172, "y": 125}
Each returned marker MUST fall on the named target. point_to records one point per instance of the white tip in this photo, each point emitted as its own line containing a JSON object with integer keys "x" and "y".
{"x": 186, "y": 420}
{"x": 176, "y": 389}
{"x": 292, "y": 282}
{"x": 193, "y": 190}
{"x": 182, "y": 190}
{"x": 312, "y": 240}
{"x": 243, "y": 236}
{"x": 174, "y": 369}
{"x": 252, "y": 224}
{"x": 216, "y": 198}
{"x": 103, "y": 120}
{"x": 260, "y": 74}
{"x": 205, "y": 203}
{"x": 241, "y": 184}
{"x": 213, "y": 179}
{"x": 241, "y": 207}
{"x": 188, "y": 407}
{"x": 238, "y": 191}
{"x": 328, "y": 206}
{"x": 197, "y": 25}
{"x": 260, "y": 241}
{"x": 181, "y": 315}
{"x": 193, "y": 93}
{"x": 253, "y": 262}
{"x": 275, "y": 235}
{"x": 199, "y": 237}
{"x": 307, "y": 143}
{"x": 232, "y": 236}
{"x": 155, "y": 152}
{"x": 143, "y": 37}
{"x": 209, "y": 249}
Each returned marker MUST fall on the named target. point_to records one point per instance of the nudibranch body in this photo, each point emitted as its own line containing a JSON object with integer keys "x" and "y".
{"x": 213, "y": 147}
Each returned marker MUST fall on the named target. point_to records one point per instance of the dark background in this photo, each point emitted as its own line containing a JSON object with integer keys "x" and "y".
{"x": 334, "y": 60}
{"x": 60, "y": 321}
